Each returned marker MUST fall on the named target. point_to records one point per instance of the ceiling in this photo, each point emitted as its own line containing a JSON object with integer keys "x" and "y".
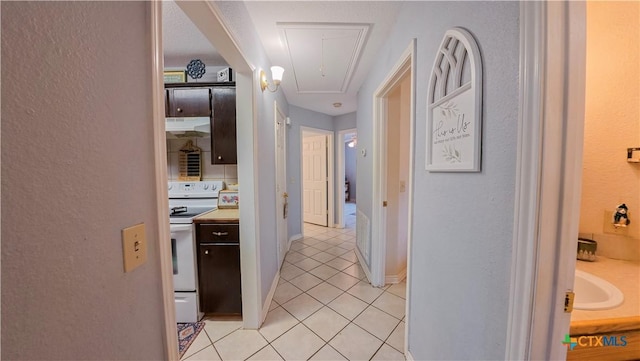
{"x": 326, "y": 48}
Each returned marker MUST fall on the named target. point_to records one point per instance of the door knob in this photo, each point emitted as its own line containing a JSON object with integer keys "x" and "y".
{"x": 285, "y": 195}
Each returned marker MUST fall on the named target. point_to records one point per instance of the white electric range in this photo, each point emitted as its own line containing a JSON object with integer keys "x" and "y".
{"x": 188, "y": 200}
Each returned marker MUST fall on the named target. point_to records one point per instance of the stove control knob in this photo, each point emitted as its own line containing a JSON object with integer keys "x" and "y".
{"x": 205, "y": 186}
{"x": 170, "y": 186}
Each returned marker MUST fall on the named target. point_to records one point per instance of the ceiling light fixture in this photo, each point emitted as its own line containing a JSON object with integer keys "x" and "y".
{"x": 337, "y": 105}
{"x": 276, "y": 75}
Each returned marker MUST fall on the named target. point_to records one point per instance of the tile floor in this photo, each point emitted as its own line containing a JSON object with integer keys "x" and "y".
{"x": 323, "y": 309}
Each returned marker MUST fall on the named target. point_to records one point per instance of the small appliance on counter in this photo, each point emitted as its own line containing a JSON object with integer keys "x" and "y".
{"x": 228, "y": 199}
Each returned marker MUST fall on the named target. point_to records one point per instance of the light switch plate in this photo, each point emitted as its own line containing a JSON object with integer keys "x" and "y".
{"x": 134, "y": 246}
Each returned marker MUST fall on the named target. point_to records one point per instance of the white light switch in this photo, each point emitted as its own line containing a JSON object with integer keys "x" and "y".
{"x": 134, "y": 246}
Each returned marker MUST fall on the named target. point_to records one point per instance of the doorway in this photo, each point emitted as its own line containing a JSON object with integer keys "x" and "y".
{"x": 317, "y": 176}
{"x": 208, "y": 21}
{"x": 397, "y": 174}
{"x": 394, "y": 109}
{"x": 347, "y": 180}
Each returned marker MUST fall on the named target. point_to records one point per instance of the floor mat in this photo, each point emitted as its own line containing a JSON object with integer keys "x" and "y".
{"x": 187, "y": 332}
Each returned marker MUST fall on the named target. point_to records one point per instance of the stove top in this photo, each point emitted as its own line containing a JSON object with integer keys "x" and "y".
{"x": 188, "y": 200}
{"x": 185, "y": 214}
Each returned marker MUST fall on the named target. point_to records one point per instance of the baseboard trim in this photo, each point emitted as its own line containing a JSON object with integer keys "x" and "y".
{"x": 267, "y": 303}
{"x": 409, "y": 356}
{"x": 393, "y": 279}
{"x": 293, "y": 238}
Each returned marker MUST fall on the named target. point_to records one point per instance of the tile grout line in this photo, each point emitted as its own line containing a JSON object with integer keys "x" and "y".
{"x": 323, "y": 281}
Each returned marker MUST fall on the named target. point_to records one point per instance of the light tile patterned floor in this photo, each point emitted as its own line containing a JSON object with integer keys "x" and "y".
{"x": 323, "y": 309}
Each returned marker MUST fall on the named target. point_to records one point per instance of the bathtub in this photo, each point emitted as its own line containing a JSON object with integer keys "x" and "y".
{"x": 594, "y": 293}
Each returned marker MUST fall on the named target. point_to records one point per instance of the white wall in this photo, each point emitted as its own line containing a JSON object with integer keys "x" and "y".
{"x": 77, "y": 167}
{"x": 462, "y": 224}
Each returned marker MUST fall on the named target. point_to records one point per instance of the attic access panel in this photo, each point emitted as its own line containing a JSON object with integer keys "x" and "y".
{"x": 323, "y": 56}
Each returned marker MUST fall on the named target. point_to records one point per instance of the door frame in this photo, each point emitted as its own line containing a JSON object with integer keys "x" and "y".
{"x": 341, "y": 164}
{"x": 405, "y": 64}
{"x": 330, "y": 175}
{"x": 206, "y": 16}
{"x": 548, "y": 187}
{"x": 279, "y": 231}
{"x": 162, "y": 191}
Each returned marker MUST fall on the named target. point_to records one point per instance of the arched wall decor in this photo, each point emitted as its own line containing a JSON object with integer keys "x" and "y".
{"x": 454, "y": 114}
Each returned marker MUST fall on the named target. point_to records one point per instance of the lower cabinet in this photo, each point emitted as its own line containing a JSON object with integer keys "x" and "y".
{"x": 219, "y": 268}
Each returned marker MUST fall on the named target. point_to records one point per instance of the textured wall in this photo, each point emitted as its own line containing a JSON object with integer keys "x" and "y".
{"x": 345, "y": 121}
{"x": 612, "y": 115}
{"x": 77, "y": 167}
{"x": 463, "y": 222}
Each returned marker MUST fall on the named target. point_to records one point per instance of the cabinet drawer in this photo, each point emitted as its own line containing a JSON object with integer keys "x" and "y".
{"x": 218, "y": 233}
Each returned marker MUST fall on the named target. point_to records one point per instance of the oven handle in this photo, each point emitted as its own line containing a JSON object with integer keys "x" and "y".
{"x": 180, "y": 227}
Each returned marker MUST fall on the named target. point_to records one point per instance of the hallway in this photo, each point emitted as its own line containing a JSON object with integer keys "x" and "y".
{"x": 323, "y": 309}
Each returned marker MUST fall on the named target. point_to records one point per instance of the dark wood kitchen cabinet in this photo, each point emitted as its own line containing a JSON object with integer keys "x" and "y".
{"x": 188, "y": 102}
{"x": 214, "y": 100}
{"x": 223, "y": 126}
{"x": 219, "y": 268}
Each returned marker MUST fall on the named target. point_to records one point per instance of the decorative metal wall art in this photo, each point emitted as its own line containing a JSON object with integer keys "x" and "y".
{"x": 196, "y": 69}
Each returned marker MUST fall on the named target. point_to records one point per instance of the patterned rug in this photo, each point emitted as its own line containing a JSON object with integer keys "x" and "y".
{"x": 187, "y": 332}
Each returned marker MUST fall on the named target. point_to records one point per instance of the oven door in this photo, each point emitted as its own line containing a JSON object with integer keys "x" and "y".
{"x": 184, "y": 257}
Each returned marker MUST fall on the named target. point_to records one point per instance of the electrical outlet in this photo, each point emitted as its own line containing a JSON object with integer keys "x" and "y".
{"x": 610, "y": 228}
{"x": 134, "y": 246}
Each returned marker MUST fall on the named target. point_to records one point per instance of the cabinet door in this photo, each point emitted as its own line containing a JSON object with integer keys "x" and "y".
{"x": 219, "y": 278}
{"x": 189, "y": 102}
{"x": 223, "y": 126}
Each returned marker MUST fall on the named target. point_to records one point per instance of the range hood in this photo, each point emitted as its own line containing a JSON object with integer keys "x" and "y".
{"x": 187, "y": 127}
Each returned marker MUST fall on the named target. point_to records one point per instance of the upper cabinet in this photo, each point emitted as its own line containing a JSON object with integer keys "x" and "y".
{"x": 223, "y": 126}
{"x": 188, "y": 102}
{"x": 214, "y": 100}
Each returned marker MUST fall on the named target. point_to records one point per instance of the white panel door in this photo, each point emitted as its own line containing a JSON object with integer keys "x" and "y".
{"x": 281, "y": 185}
{"x": 314, "y": 179}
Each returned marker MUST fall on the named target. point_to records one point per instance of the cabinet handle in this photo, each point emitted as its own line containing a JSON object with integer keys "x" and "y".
{"x": 220, "y": 233}
{"x": 206, "y": 251}
{"x": 179, "y": 110}
{"x": 219, "y": 157}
